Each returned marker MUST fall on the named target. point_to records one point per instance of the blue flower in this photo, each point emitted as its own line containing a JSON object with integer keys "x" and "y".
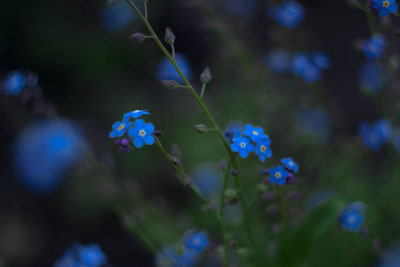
{"x": 14, "y": 82}
{"x": 119, "y": 128}
{"x": 321, "y": 60}
{"x": 117, "y": 17}
{"x": 385, "y": 7}
{"x": 166, "y": 71}
{"x": 254, "y": 133}
{"x": 234, "y": 129}
{"x": 44, "y": 151}
{"x": 372, "y": 77}
{"x": 373, "y": 47}
{"x": 352, "y": 216}
{"x": 207, "y": 179}
{"x": 241, "y": 7}
{"x": 80, "y": 255}
{"x": 169, "y": 257}
{"x": 135, "y": 114}
{"x": 197, "y": 241}
{"x": 290, "y": 164}
{"x": 278, "y": 60}
{"x": 242, "y": 145}
{"x": 262, "y": 149}
{"x": 303, "y": 67}
{"x": 141, "y": 133}
{"x": 289, "y": 14}
{"x": 390, "y": 257}
{"x": 376, "y": 135}
{"x": 278, "y": 175}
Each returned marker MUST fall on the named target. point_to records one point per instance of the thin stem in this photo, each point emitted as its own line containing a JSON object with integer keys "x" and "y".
{"x": 173, "y": 50}
{"x": 243, "y": 203}
{"x": 203, "y": 89}
{"x": 280, "y": 202}
{"x": 180, "y": 171}
{"x": 145, "y": 9}
{"x": 370, "y": 22}
{"x": 202, "y": 106}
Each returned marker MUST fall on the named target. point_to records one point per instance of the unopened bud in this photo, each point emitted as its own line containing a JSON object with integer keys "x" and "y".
{"x": 205, "y": 76}
{"x": 138, "y": 37}
{"x": 188, "y": 182}
{"x": 175, "y": 151}
{"x": 158, "y": 133}
{"x": 201, "y": 128}
{"x": 230, "y": 193}
{"x": 234, "y": 172}
{"x": 169, "y": 37}
{"x": 175, "y": 160}
{"x": 170, "y": 84}
{"x": 268, "y": 195}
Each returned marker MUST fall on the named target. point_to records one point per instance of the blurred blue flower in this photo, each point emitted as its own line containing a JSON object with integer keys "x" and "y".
{"x": 372, "y": 77}
{"x": 197, "y": 241}
{"x": 385, "y": 7}
{"x": 278, "y": 175}
{"x": 254, "y": 133}
{"x": 390, "y": 257}
{"x": 373, "y": 47}
{"x": 142, "y": 133}
{"x": 207, "y": 179}
{"x": 119, "y": 129}
{"x": 262, "y": 149}
{"x": 278, "y": 60}
{"x": 376, "y": 135}
{"x": 170, "y": 257}
{"x": 321, "y": 60}
{"x": 116, "y": 17}
{"x": 234, "y": 129}
{"x": 241, "y": 7}
{"x": 305, "y": 68}
{"x": 352, "y": 216}
{"x": 135, "y": 114}
{"x": 290, "y": 164}
{"x": 242, "y": 145}
{"x": 80, "y": 255}
{"x": 44, "y": 151}
{"x": 315, "y": 123}
{"x": 166, "y": 71}
{"x": 14, "y": 82}
{"x": 289, "y": 14}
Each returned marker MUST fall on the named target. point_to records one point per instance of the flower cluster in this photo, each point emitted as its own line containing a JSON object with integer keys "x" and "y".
{"x": 17, "y": 80}
{"x": 384, "y": 7}
{"x": 283, "y": 174}
{"x": 188, "y": 255}
{"x": 375, "y": 135}
{"x": 374, "y": 46}
{"x": 352, "y": 216}
{"x": 136, "y": 128}
{"x": 80, "y": 255}
{"x": 289, "y": 14}
{"x": 252, "y": 139}
{"x": 309, "y": 67}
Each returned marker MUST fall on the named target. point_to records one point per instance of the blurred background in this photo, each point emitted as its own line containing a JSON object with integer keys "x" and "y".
{"x": 90, "y": 73}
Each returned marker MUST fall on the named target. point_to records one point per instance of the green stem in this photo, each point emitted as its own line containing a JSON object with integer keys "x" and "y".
{"x": 203, "y": 89}
{"x": 201, "y": 104}
{"x": 173, "y": 51}
{"x": 370, "y": 22}
{"x": 180, "y": 171}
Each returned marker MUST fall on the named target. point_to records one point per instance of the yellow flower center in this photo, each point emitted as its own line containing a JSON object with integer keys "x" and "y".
{"x": 121, "y": 126}
{"x": 142, "y": 132}
{"x": 263, "y": 148}
{"x": 255, "y": 132}
{"x": 242, "y": 144}
{"x": 278, "y": 175}
{"x": 386, "y": 3}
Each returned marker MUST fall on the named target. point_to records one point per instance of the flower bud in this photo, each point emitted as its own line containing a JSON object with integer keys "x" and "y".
{"x": 169, "y": 36}
{"x": 158, "y": 133}
{"x": 234, "y": 172}
{"x": 175, "y": 160}
{"x": 205, "y": 76}
{"x": 175, "y": 151}
{"x": 170, "y": 84}
{"x": 201, "y": 128}
{"x": 138, "y": 37}
{"x": 268, "y": 195}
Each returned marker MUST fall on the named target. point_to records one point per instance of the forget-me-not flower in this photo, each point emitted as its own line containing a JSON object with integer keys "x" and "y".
{"x": 385, "y": 7}
{"x": 262, "y": 148}
{"x": 278, "y": 175}
{"x": 242, "y": 145}
{"x": 81, "y": 255}
{"x": 119, "y": 128}
{"x": 254, "y": 133}
{"x": 14, "y": 82}
{"x": 352, "y": 216}
{"x": 290, "y": 164}
{"x": 142, "y": 133}
{"x": 289, "y": 14}
{"x": 135, "y": 114}
{"x": 373, "y": 47}
{"x": 197, "y": 241}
